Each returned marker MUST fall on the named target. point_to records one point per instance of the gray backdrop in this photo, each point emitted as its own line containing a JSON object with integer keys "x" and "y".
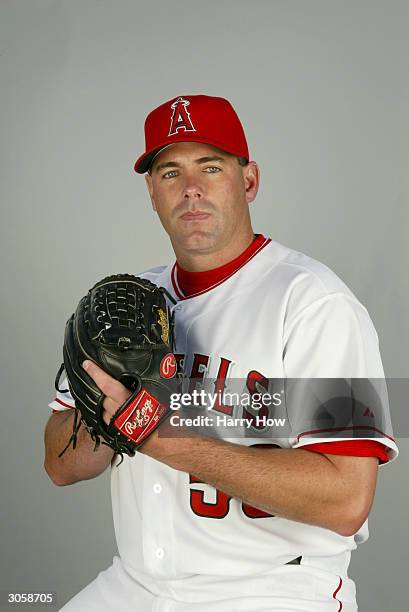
{"x": 321, "y": 87}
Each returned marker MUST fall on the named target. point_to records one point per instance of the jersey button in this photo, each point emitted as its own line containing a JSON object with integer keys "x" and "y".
{"x": 157, "y": 488}
{"x": 160, "y": 553}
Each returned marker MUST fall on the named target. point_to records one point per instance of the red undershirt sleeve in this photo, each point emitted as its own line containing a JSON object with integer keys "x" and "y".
{"x": 353, "y": 448}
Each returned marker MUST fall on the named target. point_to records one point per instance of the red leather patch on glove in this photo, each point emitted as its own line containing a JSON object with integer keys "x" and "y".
{"x": 168, "y": 366}
{"x": 141, "y": 417}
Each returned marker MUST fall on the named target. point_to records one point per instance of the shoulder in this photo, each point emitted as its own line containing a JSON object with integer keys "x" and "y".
{"x": 153, "y": 274}
{"x": 297, "y": 267}
{"x": 326, "y": 331}
{"x": 303, "y": 281}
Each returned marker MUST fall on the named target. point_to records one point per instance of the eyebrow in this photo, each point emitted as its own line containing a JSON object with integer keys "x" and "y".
{"x": 200, "y": 160}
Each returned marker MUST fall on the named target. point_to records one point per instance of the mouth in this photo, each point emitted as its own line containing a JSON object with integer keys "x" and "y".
{"x": 195, "y": 216}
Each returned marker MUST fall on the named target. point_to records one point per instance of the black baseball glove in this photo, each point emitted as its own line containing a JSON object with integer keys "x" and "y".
{"x": 123, "y": 324}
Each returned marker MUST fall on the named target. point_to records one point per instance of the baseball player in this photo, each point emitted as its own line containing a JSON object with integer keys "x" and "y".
{"x": 220, "y": 523}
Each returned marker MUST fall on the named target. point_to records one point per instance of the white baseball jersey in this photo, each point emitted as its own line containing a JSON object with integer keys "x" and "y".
{"x": 281, "y": 315}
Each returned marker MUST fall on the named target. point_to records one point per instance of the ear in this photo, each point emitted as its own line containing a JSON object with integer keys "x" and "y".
{"x": 149, "y": 184}
{"x": 251, "y": 175}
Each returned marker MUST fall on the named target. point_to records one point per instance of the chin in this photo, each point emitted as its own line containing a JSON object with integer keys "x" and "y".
{"x": 198, "y": 241}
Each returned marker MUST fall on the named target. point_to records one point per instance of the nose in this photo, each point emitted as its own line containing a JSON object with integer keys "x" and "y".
{"x": 192, "y": 189}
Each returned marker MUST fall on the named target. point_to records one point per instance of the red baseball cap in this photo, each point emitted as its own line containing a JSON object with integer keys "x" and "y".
{"x": 196, "y": 118}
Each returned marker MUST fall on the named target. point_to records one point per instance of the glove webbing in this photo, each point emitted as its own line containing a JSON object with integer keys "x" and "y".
{"x": 118, "y": 307}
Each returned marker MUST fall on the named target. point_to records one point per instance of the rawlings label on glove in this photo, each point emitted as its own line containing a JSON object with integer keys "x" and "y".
{"x": 123, "y": 324}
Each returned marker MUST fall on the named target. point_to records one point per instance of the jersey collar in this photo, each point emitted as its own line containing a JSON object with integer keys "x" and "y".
{"x": 190, "y": 284}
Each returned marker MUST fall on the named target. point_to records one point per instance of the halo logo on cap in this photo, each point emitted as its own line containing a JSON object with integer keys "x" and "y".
{"x": 180, "y": 117}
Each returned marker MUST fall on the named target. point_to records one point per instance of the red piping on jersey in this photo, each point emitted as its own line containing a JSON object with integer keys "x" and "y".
{"x": 213, "y": 278}
{"x": 63, "y": 403}
{"x": 174, "y": 283}
{"x": 334, "y": 595}
{"x": 360, "y": 427}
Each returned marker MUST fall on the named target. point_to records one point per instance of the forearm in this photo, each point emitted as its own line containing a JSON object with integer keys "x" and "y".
{"x": 292, "y": 483}
{"x": 74, "y": 465}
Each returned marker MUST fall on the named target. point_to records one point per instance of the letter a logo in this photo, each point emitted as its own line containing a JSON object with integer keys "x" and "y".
{"x": 180, "y": 117}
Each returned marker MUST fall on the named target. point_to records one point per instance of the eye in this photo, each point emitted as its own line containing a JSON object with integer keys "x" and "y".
{"x": 169, "y": 174}
{"x": 212, "y": 169}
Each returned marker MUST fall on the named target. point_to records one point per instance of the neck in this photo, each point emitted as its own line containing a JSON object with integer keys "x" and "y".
{"x": 202, "y": 260}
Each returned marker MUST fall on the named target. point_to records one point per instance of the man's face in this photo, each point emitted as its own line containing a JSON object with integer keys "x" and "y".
{"x": 201, "y": 195}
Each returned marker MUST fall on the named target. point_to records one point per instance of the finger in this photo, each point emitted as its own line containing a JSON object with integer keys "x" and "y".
{"x": 110, "y": 407}
{"x": 109, "y": 386}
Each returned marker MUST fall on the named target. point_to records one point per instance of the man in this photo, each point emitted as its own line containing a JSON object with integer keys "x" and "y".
{"x": 204, "y": 523}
